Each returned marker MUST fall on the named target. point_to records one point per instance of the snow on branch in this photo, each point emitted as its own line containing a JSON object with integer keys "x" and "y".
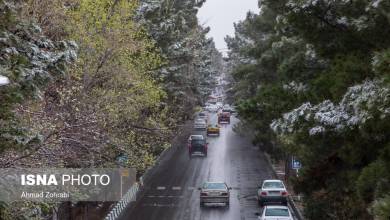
{"x": 359, "y": 104}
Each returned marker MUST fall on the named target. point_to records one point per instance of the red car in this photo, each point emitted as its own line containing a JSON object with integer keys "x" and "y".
{"x": 224, "y": 117}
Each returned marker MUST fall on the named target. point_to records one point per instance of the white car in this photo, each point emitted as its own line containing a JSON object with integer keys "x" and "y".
{"x": 212, "y": 108}
{"x": 200, "y": 124}
{"x": 276, "y": 213}
{"x": 272, "y": 191}
{"x": 203, "y": 115}
{"x": 219, "y": 105}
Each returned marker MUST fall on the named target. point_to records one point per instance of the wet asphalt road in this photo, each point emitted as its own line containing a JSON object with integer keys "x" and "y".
{"x": 172, "y": 192}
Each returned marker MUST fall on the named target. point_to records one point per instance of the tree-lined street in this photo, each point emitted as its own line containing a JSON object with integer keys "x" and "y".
{"x": 173, "y": 191}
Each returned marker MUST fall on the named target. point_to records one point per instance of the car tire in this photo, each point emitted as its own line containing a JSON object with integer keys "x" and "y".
{"x": 285, "y": 203}
{"x": 201, "y": 204}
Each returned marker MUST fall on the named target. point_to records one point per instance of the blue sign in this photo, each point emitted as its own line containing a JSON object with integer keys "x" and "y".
{"x": 296, "y": 164}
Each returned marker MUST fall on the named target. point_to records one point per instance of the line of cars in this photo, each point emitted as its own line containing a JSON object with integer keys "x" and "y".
{"x": 273, "y": 192}
{"x": 210, "y": 192}
{"x": 197, "y": 143}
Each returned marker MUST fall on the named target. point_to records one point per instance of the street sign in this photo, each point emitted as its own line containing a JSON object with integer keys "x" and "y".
{"x": 296, "y": 164}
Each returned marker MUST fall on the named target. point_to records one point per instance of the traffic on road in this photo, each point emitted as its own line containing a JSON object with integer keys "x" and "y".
{"x": 219, "y": 174}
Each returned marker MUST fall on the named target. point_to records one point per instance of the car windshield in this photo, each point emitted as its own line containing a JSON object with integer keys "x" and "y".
{"x": 214, "y": 186}
{"x": 202, "y": 114}
{"x": 283, "y": 212}
{"x": 270, "y": 185}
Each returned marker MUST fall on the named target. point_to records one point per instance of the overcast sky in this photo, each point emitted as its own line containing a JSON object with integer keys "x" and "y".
{"x": 220, "y": 15}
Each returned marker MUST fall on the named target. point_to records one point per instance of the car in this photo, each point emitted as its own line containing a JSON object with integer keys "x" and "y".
{"x": 272, "y": 191}
{"x": 233, "y": 110}
{"x": 200, "y": 124}
{"x": 214, "y": 193}
{"x": 195, "y": 137}
{"x": 226, "y": 109}
{"x": 203, "y": 115}
{"x": 224, "y": 117}
{"x": 213, "y": 129}
{"x": 212, "y": 108}
{"x": 276, "y": 213}
{"x": 197, "y": 145}
{"x": 219, "y": 105}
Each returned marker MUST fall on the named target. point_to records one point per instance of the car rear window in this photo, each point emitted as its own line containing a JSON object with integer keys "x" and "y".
{"x": 197, "y": 137}
{"x": 270, "y": 185}
{"x": 202, "y": 114}
{"x": 214, "y": 186}
{"x": 277, "y": 212}
{"x": 197, "y": 142}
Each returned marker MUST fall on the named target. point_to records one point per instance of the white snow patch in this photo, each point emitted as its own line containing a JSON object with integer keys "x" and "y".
{"x": 358, "y": 105}
{"x": 4, "y": 80}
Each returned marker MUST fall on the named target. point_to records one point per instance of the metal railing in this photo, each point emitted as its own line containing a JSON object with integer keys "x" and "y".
{"x": 130, "y": 196}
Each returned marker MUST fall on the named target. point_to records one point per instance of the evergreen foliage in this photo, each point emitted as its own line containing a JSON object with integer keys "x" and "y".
{"x": 320, "y": 74}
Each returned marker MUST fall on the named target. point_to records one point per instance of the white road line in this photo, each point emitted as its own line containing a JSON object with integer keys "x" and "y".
{"x": 160, "y": 205}
{"x": 176, "y": 188}
{"x": 161, "y": 188}
{"x": 168, "y": 196}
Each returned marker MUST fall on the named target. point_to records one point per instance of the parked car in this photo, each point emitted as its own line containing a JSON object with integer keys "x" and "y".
{"x": 224, "y": 117}
{"x": 197, "y": 145}
{"x": 213, "y": 129}
{"x": 215, "y": 193}
{"x": 200, "y": 124}
{"x": 272, "y": 191}
{"x": 276, "y": 213}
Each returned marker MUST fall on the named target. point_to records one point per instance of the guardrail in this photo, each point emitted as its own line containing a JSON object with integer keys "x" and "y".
{"x": 296, "y": 211}
{"x": 131, "y": 194}
{"x": 122, "y": 204}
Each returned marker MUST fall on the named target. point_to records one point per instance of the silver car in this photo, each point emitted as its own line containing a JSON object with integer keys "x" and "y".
{"x": 200, "y": 124}
{"x": 204, "y": 116}
{"x": 214, "y": 193}
{"x": 272, "y": 191}
{"x": 276, "y": 213}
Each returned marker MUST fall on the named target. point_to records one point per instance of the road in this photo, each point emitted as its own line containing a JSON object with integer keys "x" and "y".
{"x": 172, "y": 193}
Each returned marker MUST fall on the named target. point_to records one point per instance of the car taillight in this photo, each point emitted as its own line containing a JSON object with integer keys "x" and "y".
{"x": 203, "y": 194}
{"x": 263, "y": 193}
{"x": 284, "y": 193}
